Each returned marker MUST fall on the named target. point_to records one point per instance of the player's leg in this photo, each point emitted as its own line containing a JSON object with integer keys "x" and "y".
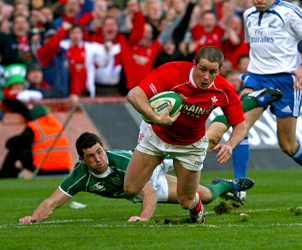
{"x": 188, "y": 198}
{"x": 215, "y": 131}
{"x": 250, "y": 100}
{"x": 206, "y": 194}
{"x": 286, "y": 132}
{"x": 234, "y": 187}
{"x": 287, "y": 110}
{"x": 139, "y": 171}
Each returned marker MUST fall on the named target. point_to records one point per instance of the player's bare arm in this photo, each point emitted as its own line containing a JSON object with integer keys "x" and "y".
{"x": 148, "y": 205}
{"x": 140, "y": 102}
{"x": 225, "y": 150}
{"x": 47, "y": 207}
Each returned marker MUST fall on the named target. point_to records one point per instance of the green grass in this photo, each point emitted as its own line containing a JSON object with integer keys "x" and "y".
{"x": 103, "y": 223}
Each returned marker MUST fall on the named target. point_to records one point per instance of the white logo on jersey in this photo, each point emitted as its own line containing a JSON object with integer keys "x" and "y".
{"x": 97, "y": 187}
{"x": 214, "y": 99}
{"x": 286, "y": 109}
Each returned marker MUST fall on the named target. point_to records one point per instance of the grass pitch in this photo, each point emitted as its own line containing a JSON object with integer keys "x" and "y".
{"x": 272, "y": 219}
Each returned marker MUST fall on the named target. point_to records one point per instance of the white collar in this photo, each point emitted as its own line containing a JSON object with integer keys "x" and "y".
{"x": 103, "y": 175}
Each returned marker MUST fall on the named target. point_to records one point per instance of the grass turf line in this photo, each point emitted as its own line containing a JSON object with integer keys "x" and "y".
{"x": 271, "y": 223}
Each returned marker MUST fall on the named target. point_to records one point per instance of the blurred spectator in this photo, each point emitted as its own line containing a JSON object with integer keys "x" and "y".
{"x": 94, "y": 19}
{"x": 227, "y": 12}
{"x": 241, "y": 6}
{"x": 123, "y": 17}
{"x": 145, "y": 53}
{"x": 54, "y": 61}
{"x": 179, "y": 7}
{"x": 119, "y": 48}
{"x": 242, "y": 63}
{"x": 83, "y": 58}
{"x": 166, "y": 5}
{"x": 181, "y": 28}
{"x": 178, "y": 48}
{"x": 35, "y": 80}
{"x": 233, "y": 77}
{"x": 36, "y": 4}
{"x": 226, "y": 67}
{"x": 16, "y": 87}
{"x": 185, "y": 51}
{"x": 21, "y": 9}
{"x": 208, "y": 32}
{"x": 16, "y": 46}
{"x": 39, "y": 23}
{"x": 27, "y": 151}
{"x": 234, "y": 44}
{"x": 47, "y": 13}
{"x": 72, "y": 9}
{"x": 5, "y": 15}
{"x": 202, "y": 7}
{"x": 153, "y": 15}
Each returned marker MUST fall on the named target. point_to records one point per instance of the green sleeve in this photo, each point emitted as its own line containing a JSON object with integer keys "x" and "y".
{"x": 119, "y": 158}
{"x": 76, "y": 181}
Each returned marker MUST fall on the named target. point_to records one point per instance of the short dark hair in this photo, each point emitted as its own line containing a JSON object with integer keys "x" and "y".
{"x": 87, "y": 140}
{"x": 242, "y": 57}
{"x": 210, "y": 53}
{"x": 76, "y": 26}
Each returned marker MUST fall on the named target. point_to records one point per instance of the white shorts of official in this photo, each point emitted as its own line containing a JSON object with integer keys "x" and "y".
{"x": 189, "y": 156}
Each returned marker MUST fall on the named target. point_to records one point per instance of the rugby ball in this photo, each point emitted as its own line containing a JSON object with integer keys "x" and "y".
{"x": 160, "y": 102}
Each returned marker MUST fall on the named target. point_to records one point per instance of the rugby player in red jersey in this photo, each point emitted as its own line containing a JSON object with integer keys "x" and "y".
{"x": 183, "y": 136}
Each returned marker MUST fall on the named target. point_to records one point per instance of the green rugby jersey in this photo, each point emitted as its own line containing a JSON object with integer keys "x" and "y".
{"x": 109, "y": 184}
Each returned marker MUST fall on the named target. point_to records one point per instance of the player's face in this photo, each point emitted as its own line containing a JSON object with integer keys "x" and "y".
{"x": 95, "y": 158}
{"x": 204, "y": 73}
{"x": 263, "y": 5}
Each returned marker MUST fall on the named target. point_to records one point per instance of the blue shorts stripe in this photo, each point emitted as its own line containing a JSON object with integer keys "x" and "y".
{"x": 298, "y": 99}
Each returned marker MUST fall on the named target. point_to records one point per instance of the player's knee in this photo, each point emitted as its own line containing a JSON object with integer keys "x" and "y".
{"x": 131, "y": 190}
{"x": 288, "y": 148}
{"x": 213, "y": 141}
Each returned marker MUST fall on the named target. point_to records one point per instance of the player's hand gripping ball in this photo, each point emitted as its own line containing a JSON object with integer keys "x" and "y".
{"x": 162, "y": 101}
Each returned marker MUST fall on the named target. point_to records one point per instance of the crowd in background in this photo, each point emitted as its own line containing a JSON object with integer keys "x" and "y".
{"x": 74, "y": 48}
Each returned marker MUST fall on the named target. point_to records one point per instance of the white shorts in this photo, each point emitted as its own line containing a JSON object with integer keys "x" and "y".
{"x": 159, "y": 180}
{"x": 189, "y": 156}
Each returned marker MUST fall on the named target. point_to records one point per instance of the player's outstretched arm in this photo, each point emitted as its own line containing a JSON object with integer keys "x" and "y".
{"x": 46, "y": 208}
{"x": 225, "y": 150}
{"x": 149, "y": 203}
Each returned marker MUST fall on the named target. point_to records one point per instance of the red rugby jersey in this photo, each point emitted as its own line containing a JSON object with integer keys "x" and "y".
{"x": 198, "y": 103}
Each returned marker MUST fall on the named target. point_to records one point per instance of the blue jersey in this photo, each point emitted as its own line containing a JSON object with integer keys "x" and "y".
{"x": 273, "y": 36}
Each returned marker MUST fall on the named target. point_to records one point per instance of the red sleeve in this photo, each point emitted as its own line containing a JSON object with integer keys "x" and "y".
{"x": 159, "y": 79}
{"x": 157, "y": 48}
{"x": 8, "y": 95}
{"x": 195, "y": 31}
{"x": 85, "y": 19}
{"x": 233, "y": 111}
{"x": 46, "y": 53}
{"x": 97, "y": 36}
{"x": 220, "y": 31}
{"x": 137, "y": 31}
